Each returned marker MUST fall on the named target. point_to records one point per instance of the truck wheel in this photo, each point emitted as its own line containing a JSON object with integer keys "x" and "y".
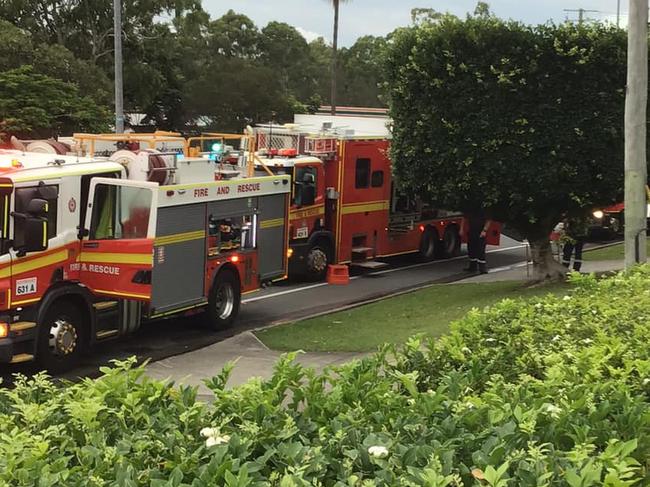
{"x": 61, "y": 338}
{"x": 449, "y": 246}
{"x": 427, "y": 250}
{"x": 317, "y": 260}
{"x": 224, "y": 301}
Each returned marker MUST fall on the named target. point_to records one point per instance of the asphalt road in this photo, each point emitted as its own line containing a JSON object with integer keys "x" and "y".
{"x": 284, "y": 302}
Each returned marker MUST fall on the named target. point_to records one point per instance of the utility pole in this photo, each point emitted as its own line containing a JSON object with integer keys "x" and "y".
{"x": 581, "y": 13}
{"x": 119, "y": 92}
{"x": 636, "y": 100}
{"x": 618, "y": 13}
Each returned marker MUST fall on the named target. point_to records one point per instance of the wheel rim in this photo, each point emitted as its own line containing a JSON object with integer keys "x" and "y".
{"x": 63, "y": 338}
{"x": 428, "y": 246}
{"x": 450, "y": 243}
{"x": 317, "y": 261}
{"x": 225, "y": 301}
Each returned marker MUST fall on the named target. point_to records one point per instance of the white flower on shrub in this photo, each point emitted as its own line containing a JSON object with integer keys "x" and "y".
{"x": 553, "y": 410}
{"x": 587, "y": 341}
{"x": 646, "y": 382}
{"x": 556, "y": 338}
{"x": 378, "y": 451}
{"x": 490, "y": 340}
{"x": 217, "y": 440}
{"x": 214, "y": 437}
{"x": 208, "y": 432}
{"x": 465, "y": 350}
{"x": 566, "y": 298}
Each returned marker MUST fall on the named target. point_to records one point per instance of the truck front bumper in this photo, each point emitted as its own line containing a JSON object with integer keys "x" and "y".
{"x": 20, "y": 345}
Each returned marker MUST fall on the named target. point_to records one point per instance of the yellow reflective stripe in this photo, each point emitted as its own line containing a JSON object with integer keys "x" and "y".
{"x": 25, "y": 301}
{"x": 364, "y": 207}
{"x": 179, "y": 237}
{"x": 278, "y": 222}
{"x": 124, "y": 295}
{"x": 32, "y": 264}
{"x": 306, "y": 212}
{"x": 116, "y": 258}
{"x": 5, "y": 229}
{"x": 6, "y": 185}
{"x": 45, "y": 234}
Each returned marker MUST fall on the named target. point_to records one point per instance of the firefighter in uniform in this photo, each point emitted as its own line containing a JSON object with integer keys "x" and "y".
{"x": 575, "y": 234}
{"x": 478, "y": 224}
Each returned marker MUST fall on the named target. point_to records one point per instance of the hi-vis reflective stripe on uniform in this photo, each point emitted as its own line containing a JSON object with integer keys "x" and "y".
{"x": 307, "y": 212}
{"x": 352, "y": 208}
{"x": 116, "y": 258}
{"x": 33, "y": 264}
{"x": 278, "y": 222}
{"x": 179, "y": 237}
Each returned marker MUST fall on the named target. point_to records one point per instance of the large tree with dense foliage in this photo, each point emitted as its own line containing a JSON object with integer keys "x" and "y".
{"x": 180, "y": 66}
{"x": 37, "y": 105}
{"x": 524, "y": 121}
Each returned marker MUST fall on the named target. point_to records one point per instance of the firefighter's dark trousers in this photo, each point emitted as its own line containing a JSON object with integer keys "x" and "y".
{"x": 476, "y": 250}
{"x": 568, "y": 249}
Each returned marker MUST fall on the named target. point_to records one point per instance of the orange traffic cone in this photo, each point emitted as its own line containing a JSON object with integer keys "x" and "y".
{"x": 338, "y": 274}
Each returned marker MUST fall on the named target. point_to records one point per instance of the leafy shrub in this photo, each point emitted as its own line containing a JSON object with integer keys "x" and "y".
{"x": 552, "y": 391}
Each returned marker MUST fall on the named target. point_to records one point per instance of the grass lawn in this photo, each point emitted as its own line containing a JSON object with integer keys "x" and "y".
{"x": 394, "y": 320}
{"x": 614, "y": 252}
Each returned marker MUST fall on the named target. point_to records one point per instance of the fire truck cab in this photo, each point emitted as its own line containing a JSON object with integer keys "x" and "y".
{"x": 346, "y": 207}
{"x": 91, "y": 248}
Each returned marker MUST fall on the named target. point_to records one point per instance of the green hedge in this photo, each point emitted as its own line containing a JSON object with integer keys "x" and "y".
{"x": 551, "y": 391}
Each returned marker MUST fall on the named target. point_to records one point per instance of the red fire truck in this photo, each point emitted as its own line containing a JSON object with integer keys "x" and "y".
{"x": 91, "y": 248}
{"x": 345, "y": 207}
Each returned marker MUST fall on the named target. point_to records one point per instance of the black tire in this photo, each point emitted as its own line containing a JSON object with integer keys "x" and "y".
{"x": 428, "y": 244}
{"x": 316, "y": 261}
{"x": 449, "y": 246}
{"x": 224, "y": 301}
{"x": 62, "y": 337}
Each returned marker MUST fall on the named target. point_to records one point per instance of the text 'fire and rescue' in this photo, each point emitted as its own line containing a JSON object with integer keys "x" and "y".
{"x": 241, "y": 188}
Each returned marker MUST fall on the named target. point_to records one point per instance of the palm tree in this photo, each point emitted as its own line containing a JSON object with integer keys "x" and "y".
{"x": 335, "y": 42}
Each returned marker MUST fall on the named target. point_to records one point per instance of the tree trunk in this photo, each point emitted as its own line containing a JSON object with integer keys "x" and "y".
{"x": 335, "y": 42}
{"x": 545, "y": 267}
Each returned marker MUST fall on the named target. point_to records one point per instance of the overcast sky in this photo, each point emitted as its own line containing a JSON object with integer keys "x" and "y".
{"x": 378, "y": 17}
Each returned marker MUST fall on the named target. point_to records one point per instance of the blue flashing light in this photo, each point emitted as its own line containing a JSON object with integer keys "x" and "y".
{"x": 217, "y": 147}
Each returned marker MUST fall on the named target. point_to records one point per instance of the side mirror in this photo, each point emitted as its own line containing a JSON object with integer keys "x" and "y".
{"x": 35, "y": 235}
{"x": 308, "y": 178}
{"x": 307, "y": 194}
{"x": 37, "y": 207}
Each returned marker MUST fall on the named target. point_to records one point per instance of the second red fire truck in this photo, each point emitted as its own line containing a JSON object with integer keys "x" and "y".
{"x": 346, "y": 207}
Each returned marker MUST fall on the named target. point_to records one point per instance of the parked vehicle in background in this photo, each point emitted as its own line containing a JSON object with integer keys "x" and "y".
{"x": 345, "y": 206}
{"x": 609, "y": 222}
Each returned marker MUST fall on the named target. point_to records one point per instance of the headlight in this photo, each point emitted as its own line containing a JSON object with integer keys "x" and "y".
{"x": 598, "y": 214}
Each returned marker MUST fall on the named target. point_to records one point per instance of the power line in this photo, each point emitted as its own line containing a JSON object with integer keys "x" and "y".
{"x": 581, "y": 13}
